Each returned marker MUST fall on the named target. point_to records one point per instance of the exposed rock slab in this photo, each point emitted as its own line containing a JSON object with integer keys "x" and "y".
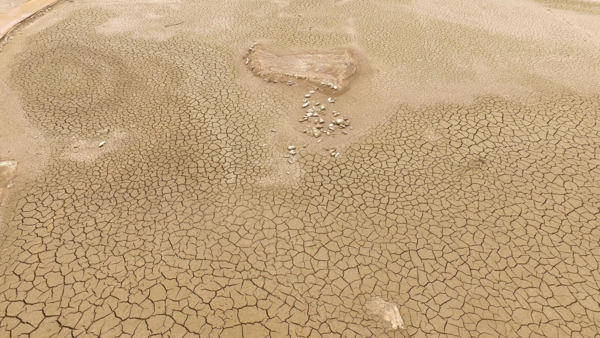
{"x": 329, "y": 68}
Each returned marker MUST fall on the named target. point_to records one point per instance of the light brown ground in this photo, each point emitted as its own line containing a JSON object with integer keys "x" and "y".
{"x": 467, "y": 191}
{"x": 5, "y": 5}
{"x": 12, "y": 13}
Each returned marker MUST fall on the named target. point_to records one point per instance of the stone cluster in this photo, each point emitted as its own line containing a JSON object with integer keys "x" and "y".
{"x": 315, "y": 117}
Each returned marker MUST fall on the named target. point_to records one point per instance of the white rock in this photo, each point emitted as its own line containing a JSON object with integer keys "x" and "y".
{"x": 305, "y": 104}
{"x": 102, "y": 143}
{"x": 386, "y": 311}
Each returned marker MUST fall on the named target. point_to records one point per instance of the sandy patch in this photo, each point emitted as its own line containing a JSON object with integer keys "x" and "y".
{"x": 89, "y": 150}
{"x": 8, "y": 169}
{"x": 17, "y": 14}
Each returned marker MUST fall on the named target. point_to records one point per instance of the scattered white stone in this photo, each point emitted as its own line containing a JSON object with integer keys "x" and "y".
{"x": 386, "y": 311}
{"x": 312, "y": 92}
{"x": 273, "y": 130}
{"x": 289, "y": 83}
{"x": 319, "y": 141}
{"x": 291, "y": 147}
{"x": 305, "y": 105}
{"x": 323, "y": 107}
{"x": 102, "y": 143}
{"x": 307, "y": 95}
{"x": 330, "y": 100}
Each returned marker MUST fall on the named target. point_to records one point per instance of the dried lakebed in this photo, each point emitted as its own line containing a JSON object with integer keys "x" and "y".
{"x": 463, "y": 202}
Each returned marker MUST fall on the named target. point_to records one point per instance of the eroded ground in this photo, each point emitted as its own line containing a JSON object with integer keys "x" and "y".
{"x": 467, "y": 192}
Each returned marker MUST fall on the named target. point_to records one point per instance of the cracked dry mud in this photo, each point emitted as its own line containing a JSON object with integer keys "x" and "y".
{"x": 467, "y": 192}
